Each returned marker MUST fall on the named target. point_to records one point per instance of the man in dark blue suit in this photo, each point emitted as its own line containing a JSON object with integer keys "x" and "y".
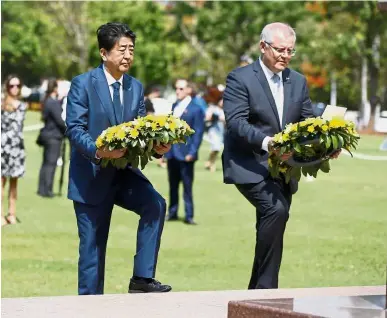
{"x": 259, "y": 100}
{"x": 98, "y": 99}
{"x": 182, "y": 157}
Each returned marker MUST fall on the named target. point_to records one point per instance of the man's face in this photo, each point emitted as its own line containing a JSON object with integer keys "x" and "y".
{"x": 277, "y": 55}
{"x": 182, "y": 90}
{"x": 120, "y": 58}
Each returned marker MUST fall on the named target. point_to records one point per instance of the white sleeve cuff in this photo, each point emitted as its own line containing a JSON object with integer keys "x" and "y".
{"x": 265, "y": 143}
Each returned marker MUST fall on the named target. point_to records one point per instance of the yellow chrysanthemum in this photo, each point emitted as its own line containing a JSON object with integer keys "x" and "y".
{"x": 113, "y": 130}
{"x": 134, "y": 133}
{"x": 324, "y": 127}
{"x": 277, "y": 138}
{"x": 337, "y": 123}
{"x": 285, "y": 137}
{"x": 161, "y": 121}
{"x": 270, "y": 162}
{"x": 150, "y": 117}
{"x": 172, "y": 126}
{"x": 318, "y": 122}
{"x": 99, "y": 142}
{"x": 303, "y": 124}
{"x": 311, "y": 128}
{"x": 109, "y": 137}
{"x": 154, "y": 126}
{"x": 121, "y": 134}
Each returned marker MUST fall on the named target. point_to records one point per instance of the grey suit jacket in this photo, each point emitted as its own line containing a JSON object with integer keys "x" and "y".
{"x": 251, "y": 115}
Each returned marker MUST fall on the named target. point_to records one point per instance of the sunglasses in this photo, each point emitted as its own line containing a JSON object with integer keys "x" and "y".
{"x": 15, "y": 85}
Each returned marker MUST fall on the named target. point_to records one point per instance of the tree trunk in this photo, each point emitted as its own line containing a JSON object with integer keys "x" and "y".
{"x": 333, "y": 100}
{"x": 363, "y": 118}
{"x": 373, "y": 63}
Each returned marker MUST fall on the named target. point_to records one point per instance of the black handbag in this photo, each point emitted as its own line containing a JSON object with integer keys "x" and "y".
{"x": 40, "y": 139}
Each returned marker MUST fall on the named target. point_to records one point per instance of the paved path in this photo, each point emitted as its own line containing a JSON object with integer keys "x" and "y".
{"x": 207, "y": 304}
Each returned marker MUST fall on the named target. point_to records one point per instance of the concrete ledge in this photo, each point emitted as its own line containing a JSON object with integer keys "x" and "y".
{"x": 206, "y": 304}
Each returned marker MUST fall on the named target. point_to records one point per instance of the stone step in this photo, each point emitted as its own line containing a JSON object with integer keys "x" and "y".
{"x": 204, "y": 304}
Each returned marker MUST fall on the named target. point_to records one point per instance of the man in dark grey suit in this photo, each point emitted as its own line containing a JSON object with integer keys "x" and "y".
{"x": 259, "y": 100}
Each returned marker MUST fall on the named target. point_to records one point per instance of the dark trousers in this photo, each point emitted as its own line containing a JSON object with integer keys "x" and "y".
{"x": 51, "y": 153}
{"x": 272, "y": 199}
{"x": 130, "y": 192}
{"x": 180, "y": 171}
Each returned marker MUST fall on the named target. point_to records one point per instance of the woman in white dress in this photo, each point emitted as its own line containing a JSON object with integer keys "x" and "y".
{"x": 215, "y": 123}
{"x": 12, "y": 144}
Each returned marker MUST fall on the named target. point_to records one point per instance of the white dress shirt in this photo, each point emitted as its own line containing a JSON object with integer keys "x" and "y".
{"x": 277, "y": 90}
{"x": 111, "y": 80}
{"x": 181, "y": 106}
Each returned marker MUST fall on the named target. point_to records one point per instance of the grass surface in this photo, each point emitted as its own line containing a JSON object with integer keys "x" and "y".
{"x": 336, "y": 235}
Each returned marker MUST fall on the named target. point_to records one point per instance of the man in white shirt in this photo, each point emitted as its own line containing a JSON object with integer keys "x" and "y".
{"x": 104, "y": 97}
{"x": 182, "y": 157}
{"x": 259, "y": 100}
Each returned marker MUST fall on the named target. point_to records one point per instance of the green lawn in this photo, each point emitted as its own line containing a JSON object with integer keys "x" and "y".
{"x": 336, "y": 235}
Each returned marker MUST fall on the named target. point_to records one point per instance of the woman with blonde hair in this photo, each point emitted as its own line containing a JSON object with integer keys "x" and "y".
{"x": 12, "y": 144}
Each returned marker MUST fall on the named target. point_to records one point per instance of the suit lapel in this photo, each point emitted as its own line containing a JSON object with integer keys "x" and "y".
{"x": 287, "y": 95}
{"x": 266, "y": 88}
{"x": 101, "y": 87}
{"x": 128, "y": 98}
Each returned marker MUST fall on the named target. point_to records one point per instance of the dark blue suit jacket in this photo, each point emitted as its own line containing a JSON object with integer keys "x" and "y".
{"x": 194, "y": 117}
{"x": 251, "y": 115}
{"x": 89, "y": 112}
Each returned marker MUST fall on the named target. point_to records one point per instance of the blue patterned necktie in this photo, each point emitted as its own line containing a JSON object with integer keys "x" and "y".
{"x": 117, "y": 101}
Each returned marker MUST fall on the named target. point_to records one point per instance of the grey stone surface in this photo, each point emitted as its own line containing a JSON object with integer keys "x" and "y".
{"x": 206, "y": 304}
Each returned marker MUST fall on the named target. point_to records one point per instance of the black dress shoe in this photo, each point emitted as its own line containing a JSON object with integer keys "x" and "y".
{"x": 190, "y": 222}
{"x": 171, "y": 218}
{"x": 147, "y": 285}
{"x": 46, "y": 195}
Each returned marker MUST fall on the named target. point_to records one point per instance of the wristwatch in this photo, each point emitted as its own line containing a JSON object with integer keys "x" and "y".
{"x": 96, "y": 157}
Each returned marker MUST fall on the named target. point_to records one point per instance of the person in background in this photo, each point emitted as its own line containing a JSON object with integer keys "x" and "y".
{"x": 148, "y": 95}
{"x": 12, "y": 144}
{"x": 51, "y": 137}
{"x": 181, "y": 158}
{"x": 196, "y": 97}
{"x": 215, "y": 124}
{"x": 245, "y": 60}
{"x": 160, "y": 106}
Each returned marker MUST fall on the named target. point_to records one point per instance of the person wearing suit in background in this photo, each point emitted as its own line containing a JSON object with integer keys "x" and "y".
{"x": 181, "y": 158}
{"x": 259, "y": 100}
{"x": 97, "y": 100}
{"x": 50, "y": 137}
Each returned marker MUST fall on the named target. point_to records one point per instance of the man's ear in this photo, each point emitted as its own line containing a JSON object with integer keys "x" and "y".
{"x": 262, "y": 46}
{"x": 102, "y": 52}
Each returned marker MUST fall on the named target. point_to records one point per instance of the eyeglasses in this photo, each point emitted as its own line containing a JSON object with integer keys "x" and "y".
{"x": 15, "y": 85}
{"x": 290, "y": 52}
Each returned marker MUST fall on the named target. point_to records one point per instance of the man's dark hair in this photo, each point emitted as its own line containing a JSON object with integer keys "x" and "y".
{"x": 152, "y": 89}
{"x": 109, "y": 33}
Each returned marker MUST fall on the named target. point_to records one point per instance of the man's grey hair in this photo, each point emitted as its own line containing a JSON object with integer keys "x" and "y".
{"x": 270, "y": 30}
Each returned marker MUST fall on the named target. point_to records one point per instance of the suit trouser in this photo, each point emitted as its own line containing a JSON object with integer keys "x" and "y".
{"x": 272, "y": 199}
{"x": 180, "y": 171}
{"x": 51, "y": 154}
{"x": 132, "y": 193}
